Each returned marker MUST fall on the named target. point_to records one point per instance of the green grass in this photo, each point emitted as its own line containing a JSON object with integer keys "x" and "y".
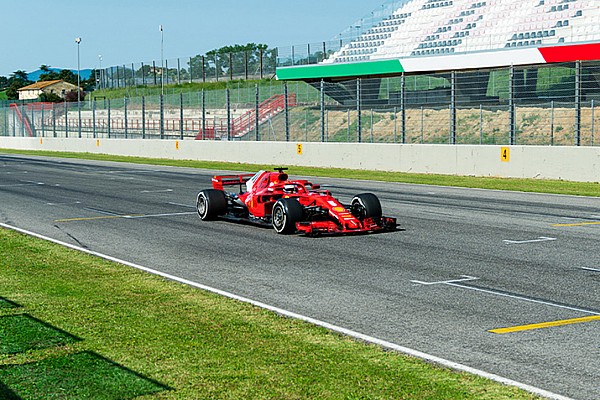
{"x": 196, "y": 344}
{"x": 84, "y": 375}
{"x": 23, "y": 332}
{"x": 5, "y": 303}
{"x": 3, "y": 96}
{"x": 523, "y": 185}
{"x": 240, "y": 90}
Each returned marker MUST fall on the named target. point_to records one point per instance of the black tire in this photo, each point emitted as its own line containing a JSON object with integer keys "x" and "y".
{"x": 286, "y": 212}
{"x": 366, "y": 205}
{"x": 210, "y": 204}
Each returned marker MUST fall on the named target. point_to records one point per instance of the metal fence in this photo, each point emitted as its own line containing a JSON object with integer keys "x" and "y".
{"x": 535, "y": 105}
{"x": 258, "y": 63}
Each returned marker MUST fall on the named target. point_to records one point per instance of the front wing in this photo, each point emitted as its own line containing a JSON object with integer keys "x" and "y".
{"x": 383, "y": 224}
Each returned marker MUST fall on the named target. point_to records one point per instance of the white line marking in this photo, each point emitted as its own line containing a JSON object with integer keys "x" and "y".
{"x": 101, "y": 211}
{"x": 465, "y": 278}
{"x": 130, "y": 171}
{"x": 512, "y": 296}
{"x": 181, "y": 205}
{"x": 157, "y": 191}
{"x": 61, "y": 204}
{"x": 26, "y": 183}
{"x": 326, "y": 325}
{"x": 590, "y": 269}
{"x": 540, "y": 239}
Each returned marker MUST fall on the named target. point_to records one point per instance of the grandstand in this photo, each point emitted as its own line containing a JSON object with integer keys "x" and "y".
{"x": 462, "y": 34}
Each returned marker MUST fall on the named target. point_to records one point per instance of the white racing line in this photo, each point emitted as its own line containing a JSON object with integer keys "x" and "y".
{"x": 538, "y": 240}
{"x": 290, "y": 314}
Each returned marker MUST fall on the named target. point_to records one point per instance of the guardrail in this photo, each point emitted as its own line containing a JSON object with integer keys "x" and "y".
{"x": 537, "y": 162}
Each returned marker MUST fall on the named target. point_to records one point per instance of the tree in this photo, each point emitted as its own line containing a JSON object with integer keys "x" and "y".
{"x": 90, "y": 83}
{"x": 237, "y": 60}
{"x": 50, "y": 98}
{"x": 72, "y": 96}
{"x": 145, "y": 71}
{"x": 49, "y": 76}
{"x": 68, "y": 76}
{"x": 19, "y": 75}
{"x": 17, "y": 80}
{"x": 3, "y": 82}
{"x": 12, "y": 93}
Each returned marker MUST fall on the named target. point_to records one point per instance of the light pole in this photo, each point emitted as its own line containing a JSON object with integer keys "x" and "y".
{"x": 100, "y": 80}
{"x": 357, "y": 31}
{"x": 162, "y": 61}
{"x": 78, "y": 41}
{"x": 162, "y": 84}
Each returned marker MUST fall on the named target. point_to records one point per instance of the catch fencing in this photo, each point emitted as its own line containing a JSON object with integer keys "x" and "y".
{"x": 535, "y": 105}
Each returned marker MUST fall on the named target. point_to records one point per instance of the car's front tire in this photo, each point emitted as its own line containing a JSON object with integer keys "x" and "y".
{"x": 286, "y": 212}
{"x": 211, "y": 203}
{"x": 366, "y": 205}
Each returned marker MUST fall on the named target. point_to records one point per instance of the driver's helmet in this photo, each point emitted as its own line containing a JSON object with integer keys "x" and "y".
{"x": 289, "y": 188}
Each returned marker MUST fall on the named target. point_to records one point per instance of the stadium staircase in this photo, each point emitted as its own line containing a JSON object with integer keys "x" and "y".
{"x": 23, "y": 118}
{"x": 246, "y": 123}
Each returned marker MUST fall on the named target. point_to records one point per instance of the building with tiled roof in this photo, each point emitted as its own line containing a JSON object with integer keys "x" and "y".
{"x": 57, "y": 87}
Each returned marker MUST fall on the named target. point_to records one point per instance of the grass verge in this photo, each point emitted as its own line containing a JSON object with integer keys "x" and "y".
{"x": 522, "y": 185}
{"x": 171, "y": 341}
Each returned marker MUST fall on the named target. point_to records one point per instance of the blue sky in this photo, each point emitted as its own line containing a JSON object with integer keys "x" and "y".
{"x": 37, "y": 32}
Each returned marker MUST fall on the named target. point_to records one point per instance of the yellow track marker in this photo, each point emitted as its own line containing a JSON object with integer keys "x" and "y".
{"x": 546, "y": 325}
{"x": 579, "y": 224}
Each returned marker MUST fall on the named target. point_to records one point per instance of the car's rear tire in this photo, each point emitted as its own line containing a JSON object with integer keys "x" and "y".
{"x": 366, "y": 205}
{"x": 286, "y": 212}
{"x": 210, "y": 204}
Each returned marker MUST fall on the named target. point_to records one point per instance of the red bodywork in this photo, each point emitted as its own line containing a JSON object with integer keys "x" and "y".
{"x": 259, "y": 192}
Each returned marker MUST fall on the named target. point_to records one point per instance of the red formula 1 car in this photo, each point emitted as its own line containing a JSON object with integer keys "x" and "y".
{"x": 271, "y": 199}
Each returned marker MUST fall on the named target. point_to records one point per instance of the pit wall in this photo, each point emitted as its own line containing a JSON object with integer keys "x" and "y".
{"x": 580, "y": 164}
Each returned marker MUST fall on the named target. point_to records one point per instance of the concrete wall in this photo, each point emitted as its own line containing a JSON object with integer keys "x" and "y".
{"x": 566, "y": 163}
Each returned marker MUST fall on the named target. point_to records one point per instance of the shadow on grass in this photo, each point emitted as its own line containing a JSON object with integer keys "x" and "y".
{"x": 21, "y": 333}
{"x": 75, "y": 376}
{"x": 6, "y": 303}
{"x": 7, "y": 394}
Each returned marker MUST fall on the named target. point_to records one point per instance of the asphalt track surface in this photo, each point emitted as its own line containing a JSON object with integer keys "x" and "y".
{"x": 466, "y": 262}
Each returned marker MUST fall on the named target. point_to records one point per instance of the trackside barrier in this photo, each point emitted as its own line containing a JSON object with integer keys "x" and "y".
{"x": 569, "y": 163}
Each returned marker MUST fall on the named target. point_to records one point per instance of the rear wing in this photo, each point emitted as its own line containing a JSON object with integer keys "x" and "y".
{"x": 220, "y": 181}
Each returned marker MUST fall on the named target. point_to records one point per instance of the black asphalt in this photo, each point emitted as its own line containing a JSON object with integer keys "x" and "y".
{"x": 465, "y": 262}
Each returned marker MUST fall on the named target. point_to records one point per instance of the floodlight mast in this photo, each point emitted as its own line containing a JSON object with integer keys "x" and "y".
{"x": 78, "y": 41}
{"x": 162, "y": 61}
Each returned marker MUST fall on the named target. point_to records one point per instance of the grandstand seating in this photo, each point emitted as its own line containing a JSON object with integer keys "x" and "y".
{"x": 438, "y": 27}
